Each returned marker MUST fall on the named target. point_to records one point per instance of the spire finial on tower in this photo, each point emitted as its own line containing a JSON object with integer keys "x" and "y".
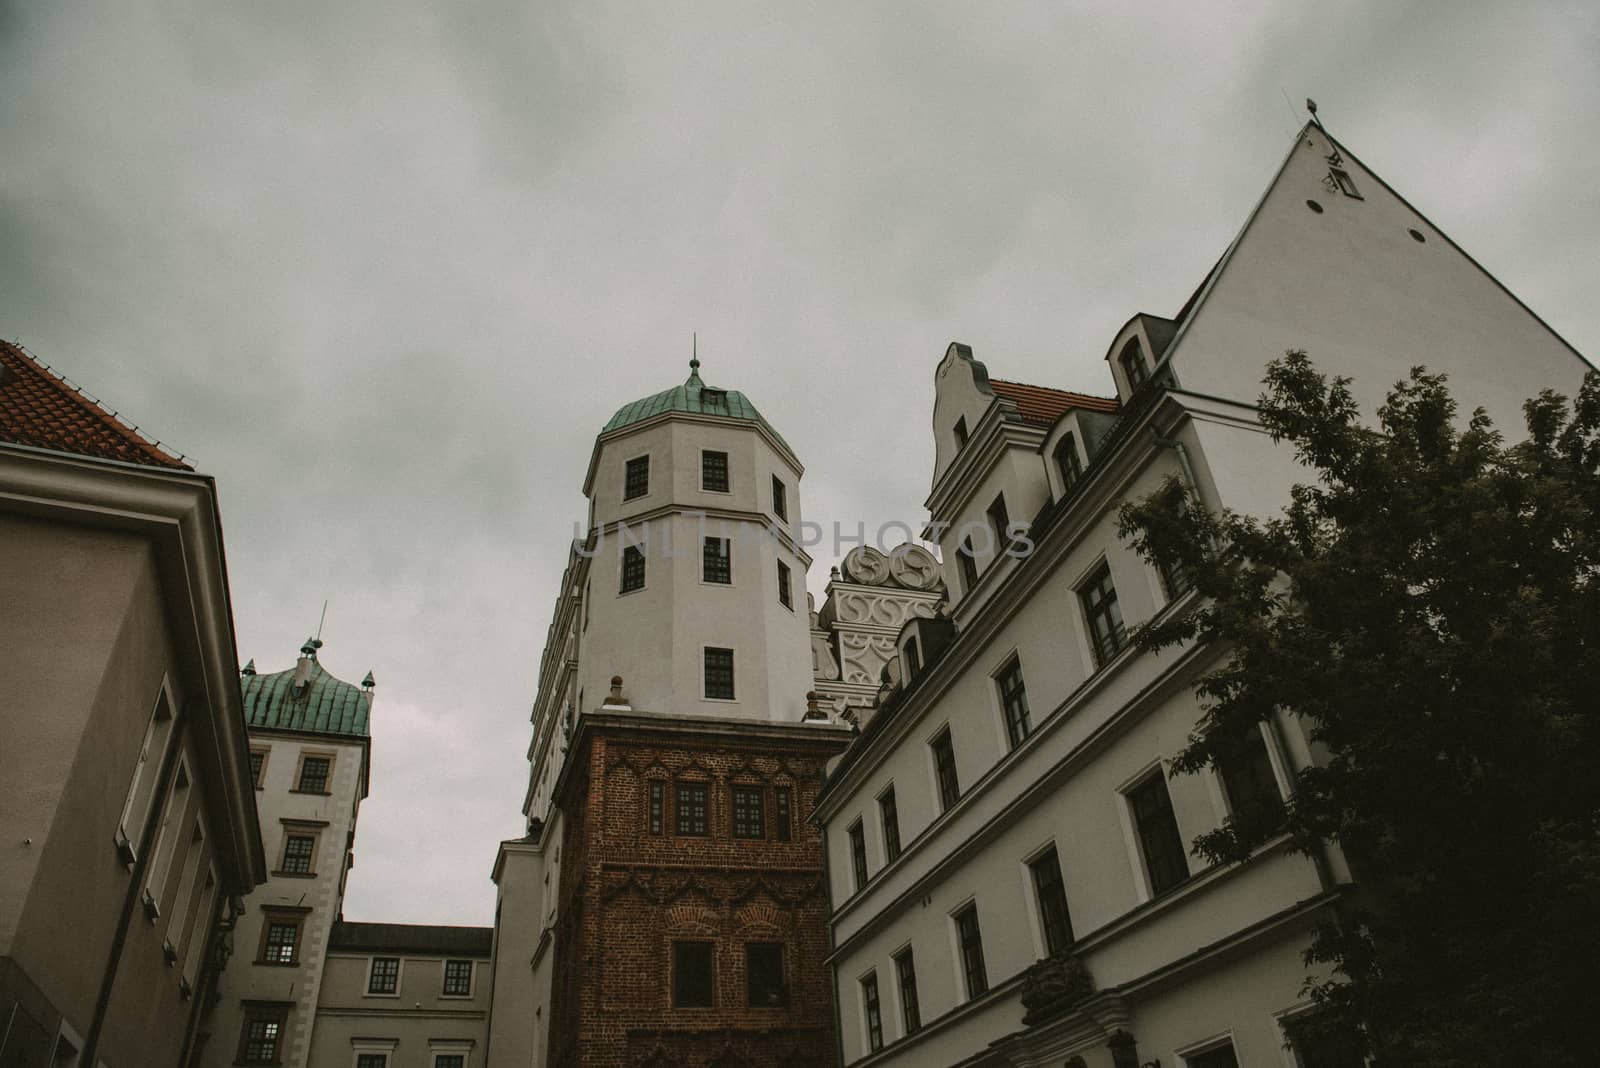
{"x": 694, "y": 351}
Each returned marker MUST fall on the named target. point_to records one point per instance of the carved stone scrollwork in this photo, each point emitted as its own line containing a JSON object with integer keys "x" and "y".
{"x": 823, "y": 666}
{"x": 866, "y": 565}
{"x": 1053, "y": 987}
{"x": 914, "y": 567}
{"x": 864, "y": 656}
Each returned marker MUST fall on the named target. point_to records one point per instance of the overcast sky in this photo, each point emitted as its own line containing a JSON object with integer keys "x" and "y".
{"x": 386, "y": 268}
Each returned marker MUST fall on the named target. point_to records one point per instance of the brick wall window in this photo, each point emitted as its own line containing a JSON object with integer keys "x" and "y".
{"x": 299, "y": 854}
{"x": 858, "y": 854}
{"x": 719, "y": 674}
{"x": 781, "y": 818}
{"x": 1052, "y": 895}
{"x": 691, "y": 975}
{"x": 716, "y": 561}
{"x": 749, "y": 812}
{"x": 280, "y": 939}
{"x": 780, "y": 503}
{"x": 1099, "y": 599}
{"x": 944, "y": 767}
{"x": 657, "y": 806}
{"x": 971, "y": 941}
{"x": 384, "y": 976}
{"x": 1165, "y": 860}
{"x": 314, "y": 774}
{"x": 905, "y": 970}
{"x": 457, "y": 978}
{"x": 1014, "y": 702}
{"x": 261, "y": 1038}
{"x": 889, "y": 813}
{"x": 785, "y": 596}
{"x": 636, "y": 481}
{"x": 632, "y": 568}
{"x": 714, "y": 471}
{"x": 763, "y": 970}
{"x": 1067, "y": 461}
{"x": 691, "y": 809}
{"x": 869, "y": 999}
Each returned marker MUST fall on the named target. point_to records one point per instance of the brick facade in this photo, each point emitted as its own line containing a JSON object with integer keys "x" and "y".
{"x": 628, "y": 894}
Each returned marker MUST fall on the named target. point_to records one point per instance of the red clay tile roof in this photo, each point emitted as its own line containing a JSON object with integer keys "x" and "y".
{"x": 42, "y": 409}
{"x": 1039, "y": 404}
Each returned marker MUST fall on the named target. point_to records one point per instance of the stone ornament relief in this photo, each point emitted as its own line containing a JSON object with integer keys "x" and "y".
{"x": 879, "y": 609}
{"x": 914, "y": 567}
{"x": 866, "y": 565}
{"x": 823, "y": 665}
{"x": 864, "y": 656}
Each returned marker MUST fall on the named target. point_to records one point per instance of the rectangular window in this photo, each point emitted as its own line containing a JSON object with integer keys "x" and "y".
{"x": 449, "y": 1060}
{"x": 372, "y": 1060}
{"x": 1099, "y": 599}
{"x": 905, "y": 970}
{"x": 890, "y": 815}
{"x": 785, "y": 597}
{"x": 258, "y": 767}
{"x": 1067, "y": 461}
{"x": 913, "y": 658}
{"x": 166, "y": 840}
{"x": 658, "y": 796}
{"x": 763, "y": 970}
{"x": 999, "y": 520}
{"x": 314, "y": 774}
{"x": 262, "y": 1039}
{"x": 869, "y": 999}
{"x": 457, "y": 978}
{"x": 714, "y": 471}
{"x": 632, "y": 568}
{"x": 1165, "y": 859}
{"x": 1252, "y": 789}
{"x": 719, "y": 674}
{"x": 780, "y": 502}
{"x": 384, "y": 976}
{"x": 299, "y": 853}
{"x": 961, "y": 432}
{"x": 968, "y": 564}
{"x": 1317, "y": 1045}
{"x": 971, "y": 951}
{"x": 716, "y": 561}
{"x": 1014, "y": 702}
{"x": 858, "y": 854}
{"x": 691, "y": 975}
{"x": 636, "y": 483}
{"x": 1175, "y": 578}
{"x": 1217, "y": 1057}
{"x": 1052, "y": 895}
{"x": 142, "y": 788}
{"x": 749, "y": 816}
{"x": 1133, "y": 365}
{"x": 944, "y": 768}
{"x": 780, "y": 814}
{"x": 280, "y": 939}
{"x": 1346, "y": 184}
{"x": 691, "y": 809}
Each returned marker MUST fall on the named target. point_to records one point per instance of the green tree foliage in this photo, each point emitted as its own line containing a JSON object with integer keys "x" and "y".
{"x": 1429, "y": 607}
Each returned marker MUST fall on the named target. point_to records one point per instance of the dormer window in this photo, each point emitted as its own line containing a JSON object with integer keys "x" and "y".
{"x": 961, "y": 432}
{"x": 1067, "y": 462}
{"x": 913, "y": 660}
{"x": 1134, "y": 366}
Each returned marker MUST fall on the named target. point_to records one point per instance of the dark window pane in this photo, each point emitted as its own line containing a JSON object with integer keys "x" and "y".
{"x": 1318, "y": 1044}
{"x": 1014, "y": 702}
{"x": 262, "y": 1035}
{"x": 657, "y": 805}
{"x": 749, "y": 819}
{"x": 869, "y": 995}
{"x": 1106, "y": 633}
{"x": 714, "y": 471}
{"x": 785, "y": 597}
{"x": 891, "y": 824}
{"x": 1164, "y": 856}
{"x": 1221, "y": 1057}
{"x": 282, "y": 938}
{"x": 968, "y": 564}
{"x": 314, "y": 775}
{"x": 944, "y": 764}
{"x": 780, "y": 817}
{"x": 719, "y": 674}
{"x": 632, "y": 568}
{"x": 1067, "y": 461}
{"x": 763, "y": 969}
{"x": 450, "y": 1060}
{"x": 257, "y": 760}
{"x": 972, "y": 951}
{"x": 716, "y": 560}
{"x": 1052, "y": 894}
{"x": 458, "y": 977}
{"x": 1133, "y": 364}
{"x": 999, "y": 520}
{"x": 637, "y": 481}
{"x": 372, "y": 1060}
{"x": 1252, "y": 789}
{"x": 913, "y": 660}
{"x": 780, "y": 502}
{"x": 961, "y": 431}
{"x": 692, "y": 809}
{"x": 858, "y": 854}
{"x": 691, "y": 975}
{"x": 297, "y": 853}
{"x": 385, "y": 975}
{"x": 910, "y": 1011}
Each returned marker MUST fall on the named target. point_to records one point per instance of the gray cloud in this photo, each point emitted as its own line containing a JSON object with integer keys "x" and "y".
{"x": 385, "y": 269}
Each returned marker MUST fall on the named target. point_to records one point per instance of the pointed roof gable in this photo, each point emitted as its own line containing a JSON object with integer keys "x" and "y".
{"x": 40, "y": 408}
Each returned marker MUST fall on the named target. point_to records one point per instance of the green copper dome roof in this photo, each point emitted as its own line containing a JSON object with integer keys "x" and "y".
{"x": 321, "y": 703}
{"x": 694, "y": 397}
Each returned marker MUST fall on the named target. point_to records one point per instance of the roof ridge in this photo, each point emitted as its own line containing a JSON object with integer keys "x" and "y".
{"x": 152, "y": 448}
{"x": 1052, "y": 389}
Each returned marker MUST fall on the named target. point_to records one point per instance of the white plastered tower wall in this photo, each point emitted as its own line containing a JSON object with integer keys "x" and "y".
{"x": 1216, "y": 960}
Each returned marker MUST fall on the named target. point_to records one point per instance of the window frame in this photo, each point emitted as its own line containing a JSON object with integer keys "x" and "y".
{"x": 139, "y": 800}
{"x": 705, "y": 469}
{"x": 1143, "y": 837}
{"x": 675, "y": 985}
{"x": 1070, "y": 473}
{"x": 293, "y": 829}
{"x": 962, "y": 434}
{"x": 260, "y": 770}
{"x": 274, "y": 1014}
{"x": 372, "y": 973}
{"x": 634, "y": 571}
{"x": 889, "y": 822}
{"x": 328, "y": 755}
{"x": 444, "y": 977}
{"x": 1056, "y": 938}
{"x": 782, "y": 813}
{"x": 704, "y": 820}
{"x": 871, "y": 1010}
{"x": 1135, "y": 348}
{"x": 948, "y": 793}
{"x": 655, "y": 807}
{"x": 1269, "y": 801}
{"x": 905, "y": 971}
{"x": 707, "y": 556}
{"x": 782, "y": 988}
{"x": 273, "y": 916}
{"x": 967, "y": 564}
{"x": 706, "y": 669}
{"x": 785, "y": 586}
{"x": 628, "y": 491}
{"x": 1097, "y": 598}
{"x": 969, "y": 950}
{"x": 169, "y": 829}
{"x": 1018, "y": 726}
{"x": 999, "y": 519}
{"x": 780, "y": 499}
{"x": 749, "y": 793}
